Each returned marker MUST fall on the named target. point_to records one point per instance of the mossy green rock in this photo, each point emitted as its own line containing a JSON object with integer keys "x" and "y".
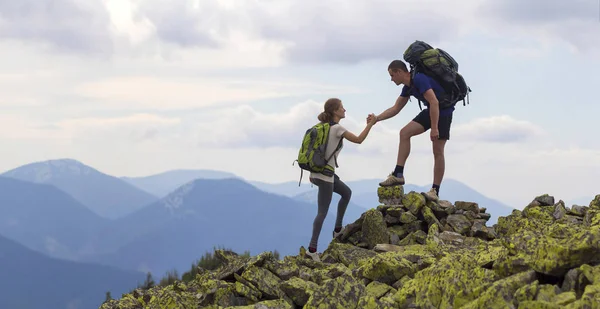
{"x": 378, "y": 289}
{"x": 414, "y": 201}
{"x": 386, "y": 268}
{"x": 407, "y": 217}
{"x": 347, "y": 254}
{"x": 374, "y": 229}
{"x": 298, "y": 290}
{"x": 555, "y": 249}
{"x": 595, "y": 203}
{"x": 390, "y": 193}
{"x": 371, "y": 302}
{"x": 342, "y": 292}
{"x": 544, "y": 256}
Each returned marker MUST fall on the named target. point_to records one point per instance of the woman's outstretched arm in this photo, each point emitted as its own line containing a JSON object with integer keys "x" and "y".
{"x": 363, "y": 135}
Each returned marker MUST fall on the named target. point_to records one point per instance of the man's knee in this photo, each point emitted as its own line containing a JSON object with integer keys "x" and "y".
{"x": 407, "y": 132}
{"x": 438, "y": 149}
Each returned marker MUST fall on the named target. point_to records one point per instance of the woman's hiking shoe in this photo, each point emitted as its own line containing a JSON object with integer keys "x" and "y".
{"x": 431, "y": 195}
{"x": 336, "y": 234}
{"x": 314, "y": 256}
{"x": 392, "y": 180}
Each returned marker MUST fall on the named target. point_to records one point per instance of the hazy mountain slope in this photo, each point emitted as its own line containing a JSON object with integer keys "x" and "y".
{"x": 31, "y": 280}
{"x": 164, "y": 183}
{"x": 107, "y": 196}
{"x": 45, "y": 218}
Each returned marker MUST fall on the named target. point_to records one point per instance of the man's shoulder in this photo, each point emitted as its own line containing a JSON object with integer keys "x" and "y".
{"x": 422, "y": 77}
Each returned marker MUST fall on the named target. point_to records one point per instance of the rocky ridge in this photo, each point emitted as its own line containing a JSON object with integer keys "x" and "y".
{"x": 413, "y": 253}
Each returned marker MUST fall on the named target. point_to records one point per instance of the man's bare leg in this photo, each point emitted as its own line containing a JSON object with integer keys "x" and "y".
{"x": 439, "y": 166}
{"x": 411, "y": 129}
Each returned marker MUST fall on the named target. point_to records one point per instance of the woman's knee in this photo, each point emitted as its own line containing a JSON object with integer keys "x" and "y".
{"x": 346, "y": 193}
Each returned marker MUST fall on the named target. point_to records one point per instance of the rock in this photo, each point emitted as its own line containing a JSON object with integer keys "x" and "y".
{"x": 459, "y": 223}
{"x": 413, "y": 201}
{"x": 502, "y": 291}
{"x": 485, "y": 216}
{"x": 429, "y": 217}
{"x": 390, "y": 195}
{"x": 342, "y": 292}
{"x": 559, "y": 210}
{"x": 592, "y": 217}
{"x": 377, "y": 289}
{"x": 407, "y": 217}
{"x": 578, "y": 210}
{"x": 395, "y": 211}
{"x": 544, "y": 200}
{"x": 386, "y": 268}
{"x": 413, "y": 253}
{"x": 595, "y": 203}
{"x": 391, "y": 220}
{"x": 467, "y": 206}
{"x": 480, "y": 230}
{"x": 374, "y": 229}
{"x": 452, "y": 238}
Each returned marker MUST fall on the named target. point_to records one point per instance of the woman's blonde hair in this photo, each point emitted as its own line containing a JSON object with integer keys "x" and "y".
{"x": 330, "y": 107}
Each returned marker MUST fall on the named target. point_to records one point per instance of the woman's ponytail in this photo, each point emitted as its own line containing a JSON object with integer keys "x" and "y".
{"x": 324, "y": 117}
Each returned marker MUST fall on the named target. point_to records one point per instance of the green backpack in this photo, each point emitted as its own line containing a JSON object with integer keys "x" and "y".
{"x": 438, "y": 64}
{"x": 311, "y": 156}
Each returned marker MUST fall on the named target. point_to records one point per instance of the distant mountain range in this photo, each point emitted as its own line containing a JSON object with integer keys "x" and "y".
{"x": 30, "y": 280}
{"x": 107, "y": 196}
{"x": 364, "y": 192}
{"x": 160, "y": 185}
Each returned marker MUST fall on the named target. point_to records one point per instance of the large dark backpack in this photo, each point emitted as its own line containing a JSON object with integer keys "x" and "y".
{"x": 439, "y": 65}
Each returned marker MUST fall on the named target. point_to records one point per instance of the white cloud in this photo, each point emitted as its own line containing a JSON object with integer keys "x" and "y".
{"x": 576, "y": 23}
{"x": 73, "y": 25}
{"x": 498, "y": 129}
{"x": 103, "y": 123}
{"x": 268, "y": 33}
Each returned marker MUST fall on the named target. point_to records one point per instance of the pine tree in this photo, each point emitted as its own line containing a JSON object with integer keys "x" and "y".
{"x": 149, "y": 283}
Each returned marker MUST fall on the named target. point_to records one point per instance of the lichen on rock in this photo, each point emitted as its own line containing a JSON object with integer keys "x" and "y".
{"x": 413, "y": 253}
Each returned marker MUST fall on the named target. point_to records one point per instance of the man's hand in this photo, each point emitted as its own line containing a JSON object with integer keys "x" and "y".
{"x": 435, "y": 134}
{"x": 371, "y": 119}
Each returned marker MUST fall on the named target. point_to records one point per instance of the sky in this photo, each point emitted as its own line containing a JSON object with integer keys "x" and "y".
{"x": 138, "y": 87}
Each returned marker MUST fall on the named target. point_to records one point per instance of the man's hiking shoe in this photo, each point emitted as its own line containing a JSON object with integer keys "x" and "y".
{"x": 431, "y": 195}
{"x": 392, "y": 180}
{"x": 314, "y": 256}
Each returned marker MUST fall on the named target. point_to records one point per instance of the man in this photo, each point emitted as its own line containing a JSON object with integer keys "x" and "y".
{"x": 432, "y": 117}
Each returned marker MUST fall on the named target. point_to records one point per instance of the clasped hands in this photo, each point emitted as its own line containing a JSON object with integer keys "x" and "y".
{"x": 371, "y": 119}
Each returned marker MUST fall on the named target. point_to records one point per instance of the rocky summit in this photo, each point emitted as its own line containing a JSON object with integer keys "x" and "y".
{"x": 413, "y": 253}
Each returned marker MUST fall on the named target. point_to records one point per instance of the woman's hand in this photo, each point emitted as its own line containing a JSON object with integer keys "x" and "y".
{"x": 371, "y": 119}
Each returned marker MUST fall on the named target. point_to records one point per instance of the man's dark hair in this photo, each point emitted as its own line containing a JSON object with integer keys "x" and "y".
{"x": 397, "y": 65}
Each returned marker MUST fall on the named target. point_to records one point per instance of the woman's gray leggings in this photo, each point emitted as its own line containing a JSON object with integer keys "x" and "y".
{"x": 326, "y": 190}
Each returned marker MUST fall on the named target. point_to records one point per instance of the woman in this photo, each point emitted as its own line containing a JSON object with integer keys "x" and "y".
{"x": 333, "y": 112}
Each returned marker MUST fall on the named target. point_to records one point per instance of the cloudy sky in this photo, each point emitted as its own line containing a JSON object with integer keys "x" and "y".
{"x": 137, "y": 87}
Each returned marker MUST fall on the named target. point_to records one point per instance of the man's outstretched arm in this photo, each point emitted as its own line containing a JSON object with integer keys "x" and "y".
{"x": 394, "y": 110}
